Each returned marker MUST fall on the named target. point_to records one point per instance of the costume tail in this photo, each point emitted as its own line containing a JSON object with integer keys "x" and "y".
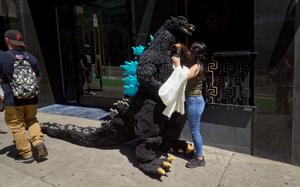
{"x": 71, "y": 133}
{"x": 111, "y": 133}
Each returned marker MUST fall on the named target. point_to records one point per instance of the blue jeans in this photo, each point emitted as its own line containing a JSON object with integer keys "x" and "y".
{"x": 195, "y": 107}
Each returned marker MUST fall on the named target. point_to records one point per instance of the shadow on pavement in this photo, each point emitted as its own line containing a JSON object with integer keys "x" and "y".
{"x": 10, "y": 150}
{"x": 3, "y": 132}
{"x": 128, "y": 150}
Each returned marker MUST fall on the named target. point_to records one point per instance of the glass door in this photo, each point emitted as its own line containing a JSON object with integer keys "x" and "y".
{"x": 94, "y": 42}
{"x": 67, "y": 48}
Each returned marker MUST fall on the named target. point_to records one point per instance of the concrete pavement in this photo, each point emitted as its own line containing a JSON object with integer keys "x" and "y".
{"x": 72, "y": 165}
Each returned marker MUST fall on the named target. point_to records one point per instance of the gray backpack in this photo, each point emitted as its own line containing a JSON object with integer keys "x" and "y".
{"x": 24, "y": 82}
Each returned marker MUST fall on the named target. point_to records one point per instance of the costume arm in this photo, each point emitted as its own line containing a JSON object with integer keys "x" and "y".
{"x": 193, "y": 71}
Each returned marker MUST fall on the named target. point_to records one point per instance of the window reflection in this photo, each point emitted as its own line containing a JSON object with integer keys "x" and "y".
{"x": 274, "y": 67}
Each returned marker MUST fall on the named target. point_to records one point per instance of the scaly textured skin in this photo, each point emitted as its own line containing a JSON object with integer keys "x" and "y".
{"x": 140, "y": 116}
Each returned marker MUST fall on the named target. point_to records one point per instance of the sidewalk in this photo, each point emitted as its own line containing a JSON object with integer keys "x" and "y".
{"x": 72, "y": 165}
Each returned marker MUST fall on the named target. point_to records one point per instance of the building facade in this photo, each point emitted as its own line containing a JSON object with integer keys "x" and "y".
{"x": 254, "y": 49}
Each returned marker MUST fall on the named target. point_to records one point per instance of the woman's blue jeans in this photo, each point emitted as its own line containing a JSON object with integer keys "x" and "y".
{"x": 195, "y": 107}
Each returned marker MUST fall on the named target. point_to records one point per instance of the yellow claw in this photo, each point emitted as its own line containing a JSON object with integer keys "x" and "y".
{"x": 189, "y": 148}
{"x": 161, "y": 171}
{"x": 170, "y": 158}
{"x": 166, "y": 164}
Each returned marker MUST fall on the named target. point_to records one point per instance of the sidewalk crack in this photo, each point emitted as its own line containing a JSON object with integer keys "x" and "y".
{"x": 40, "y": 179}
{"x": 227, "y": 165}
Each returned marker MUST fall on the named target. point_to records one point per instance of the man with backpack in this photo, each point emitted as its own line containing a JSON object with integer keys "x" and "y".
{"x": 19, "y": 70}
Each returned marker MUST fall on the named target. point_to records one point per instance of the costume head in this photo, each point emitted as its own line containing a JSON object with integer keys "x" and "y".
{"x": 169, "y": 33}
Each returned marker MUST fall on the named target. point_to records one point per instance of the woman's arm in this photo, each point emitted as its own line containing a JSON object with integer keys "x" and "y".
{"x": 195, "y": 70}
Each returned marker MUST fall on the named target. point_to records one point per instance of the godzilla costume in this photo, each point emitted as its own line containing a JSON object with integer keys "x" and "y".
{"x": 140, "y": 116}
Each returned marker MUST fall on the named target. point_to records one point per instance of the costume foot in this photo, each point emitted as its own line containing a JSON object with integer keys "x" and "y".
{"x": 189, "y": 148}
{"x": 170, "y": 158}
{"x": 166, "y": 165}
{"x": 161, "y": 171}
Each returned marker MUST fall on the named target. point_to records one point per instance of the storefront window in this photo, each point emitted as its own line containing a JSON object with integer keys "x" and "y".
{"x": 109, "y": 29}
{"x": 274, "y": 67}
{"x": 99, "y": 36}
{"x": 8, "y": 17}
{"x": 8, "y": 8}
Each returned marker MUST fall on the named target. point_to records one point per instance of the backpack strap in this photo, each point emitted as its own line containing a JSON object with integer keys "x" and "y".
{"x": 13, "y": 56}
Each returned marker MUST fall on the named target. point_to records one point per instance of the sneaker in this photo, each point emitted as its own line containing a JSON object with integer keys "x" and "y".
{"x": 40, "y": 152}
{"x": 21, "y": 159}
{"x": 194, "y": 162}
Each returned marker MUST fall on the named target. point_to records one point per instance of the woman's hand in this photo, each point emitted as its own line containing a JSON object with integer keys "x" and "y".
{"x": 176, "y": 61}
{"x": 178, "y": 46}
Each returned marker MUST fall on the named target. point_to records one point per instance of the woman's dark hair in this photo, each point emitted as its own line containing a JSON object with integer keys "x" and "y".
{"x": 199, "y": 51}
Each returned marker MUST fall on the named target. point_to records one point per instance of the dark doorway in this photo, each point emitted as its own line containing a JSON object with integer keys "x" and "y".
{"x": 93, "y": 43}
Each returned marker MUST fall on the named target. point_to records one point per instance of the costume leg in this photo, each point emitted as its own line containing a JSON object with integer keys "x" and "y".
{"x": 171, "y": 134}
{"x": 147, "y": 130}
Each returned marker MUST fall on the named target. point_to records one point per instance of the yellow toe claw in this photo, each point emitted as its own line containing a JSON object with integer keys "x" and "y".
{"x": 161, "y": 171}
{"x": 170, "y": 158}
{"x": 166, "y": 164}
{"x": 189, "y": 148}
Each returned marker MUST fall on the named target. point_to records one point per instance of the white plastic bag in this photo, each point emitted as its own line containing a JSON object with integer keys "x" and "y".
{"x": 172, "y": 91}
